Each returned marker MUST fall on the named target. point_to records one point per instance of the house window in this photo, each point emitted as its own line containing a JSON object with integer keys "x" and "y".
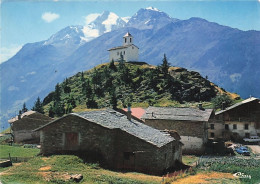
{"x": 246, "y": 126}
{"x": 125, "y": 40}
{"x": 124, "y": 52}
{"x": 212, "y": 135}
{"x": 234, "y": 126}
{"x": 130, "y": 40}
{"x": 226, "y": 127}
{"x": 247, "y": 135}
{"x": 211, "y": 126}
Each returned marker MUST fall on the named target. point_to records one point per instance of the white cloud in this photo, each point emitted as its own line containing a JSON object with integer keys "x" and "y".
{"x": 235, "y": 77}
{"x": 31, "y": 73}
{"x": 49, "y": 17}
{"x": 91, "y": 17}
{"x": 8, "y": 52}
{"x": 13, "y": 88}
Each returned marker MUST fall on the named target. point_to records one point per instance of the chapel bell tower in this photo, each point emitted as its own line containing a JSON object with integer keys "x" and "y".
{"x": 127, "y": 39}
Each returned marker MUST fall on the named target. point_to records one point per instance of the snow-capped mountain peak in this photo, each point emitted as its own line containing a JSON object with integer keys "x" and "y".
{"x": 98, "y": 24}
{"x": 70, "y": 34}
{"x": 153, "y": 9}
{"x": 150, "y": 18}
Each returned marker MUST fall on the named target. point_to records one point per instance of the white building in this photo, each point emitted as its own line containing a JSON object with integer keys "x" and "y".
{"x": 129, "y": 51}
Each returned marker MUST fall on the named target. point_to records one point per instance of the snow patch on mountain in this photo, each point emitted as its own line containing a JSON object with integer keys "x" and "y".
{"x": 91, "y": 17}
{"x": 126, "y": 19}
{"x": 90, "y": 33}
{"x": 98, "y": 24}
{"x": 110, "y": 21}
{"x": 152, "y": 8}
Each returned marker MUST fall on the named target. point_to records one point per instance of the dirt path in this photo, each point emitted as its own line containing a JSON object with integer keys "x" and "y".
{"x": 209, "y": 178}
{"x": 255, "y": 149}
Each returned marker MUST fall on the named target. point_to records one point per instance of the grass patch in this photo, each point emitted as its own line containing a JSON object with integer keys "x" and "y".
{"x": 55, "y": 169}
{"x": 189, "y": 159}
{"x": 8, "y": 130}
{"x": 17, "y": 151}
{"x": 234, "y": 165}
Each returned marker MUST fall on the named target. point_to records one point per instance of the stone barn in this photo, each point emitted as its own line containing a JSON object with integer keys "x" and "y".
{"x": 190, "y": 123}
{"x": 22, "y": 126}
{"x": 113, "y": 139}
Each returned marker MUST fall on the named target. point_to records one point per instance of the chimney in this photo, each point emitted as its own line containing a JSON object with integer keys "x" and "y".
{"x": 20, "y": 115}
{"x": 223, "y": 106}
{"x": 200, "y": 106}
{"x": 129, "y": 113}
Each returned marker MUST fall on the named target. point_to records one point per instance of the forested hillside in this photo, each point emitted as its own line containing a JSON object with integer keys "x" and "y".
{"x": 118, "y": 84}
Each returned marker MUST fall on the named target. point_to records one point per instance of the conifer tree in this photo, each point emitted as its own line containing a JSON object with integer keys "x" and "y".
{"x": 113, "y": 98}
{"x": 24, "y": 109}
{"x": 38, "y": 107}
{"x": 66, "y": 88}
{"x": 51, "y": 112}
{"x": 112, "y": 65}
{"x": 68, "y": 108}
{"x": 165, "y": 65}
{"x": 57, "y": 93}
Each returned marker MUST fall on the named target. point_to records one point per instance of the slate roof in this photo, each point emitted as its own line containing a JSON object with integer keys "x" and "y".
{"x": 28, "y": 113}
{"x": 179, "y": 114}
{"x": 114, "y": 120}
{"x": 251, "y": 99}
{"x": 122, "y": 47}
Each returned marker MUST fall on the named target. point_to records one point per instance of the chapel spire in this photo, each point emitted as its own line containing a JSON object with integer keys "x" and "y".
{"x": 127, "y": 39}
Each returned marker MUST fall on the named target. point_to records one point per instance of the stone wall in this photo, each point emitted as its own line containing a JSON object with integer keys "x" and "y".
{"x": 146, "y": 157}
{"x": 193, "y": 134}
{"x": 23, "y": 128}
{"x": 93, "y": 138}
{"x": 114, "y": 147}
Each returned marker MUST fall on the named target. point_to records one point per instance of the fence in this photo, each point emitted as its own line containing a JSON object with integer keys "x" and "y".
{"x": 16, "y": 159}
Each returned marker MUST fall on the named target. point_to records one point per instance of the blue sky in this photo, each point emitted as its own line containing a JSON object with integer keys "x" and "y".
{"x": 31, "y": 21}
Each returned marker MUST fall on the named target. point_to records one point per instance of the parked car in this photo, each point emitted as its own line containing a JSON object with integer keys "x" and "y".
{"x": 243, "y": 151}
{"x": 252, "y": 139}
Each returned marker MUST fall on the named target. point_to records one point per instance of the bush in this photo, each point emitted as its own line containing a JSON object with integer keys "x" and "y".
{"x": 222, "y": 102}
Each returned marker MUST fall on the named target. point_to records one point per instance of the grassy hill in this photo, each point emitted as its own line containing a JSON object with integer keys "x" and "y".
{"x": 139, "y": 84}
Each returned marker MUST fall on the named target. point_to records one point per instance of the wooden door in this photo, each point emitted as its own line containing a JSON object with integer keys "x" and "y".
{"x": 71, "y": 140}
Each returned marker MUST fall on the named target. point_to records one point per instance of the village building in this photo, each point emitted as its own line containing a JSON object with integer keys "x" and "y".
{"x": 190, "y": 123}
{"x": 241, "y": 120}
{"x": 127, "y": 52}
{"x": 22, "y": 126}
{"x": 117, "y": 141}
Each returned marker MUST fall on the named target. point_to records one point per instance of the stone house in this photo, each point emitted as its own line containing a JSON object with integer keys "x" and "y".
{"x": 22, "y": 126}
{"x": 113, "y": 139}
{"x": 190, "y": 123}
{"x": 129, "y": 51}
{"x": 238, "y": 121}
